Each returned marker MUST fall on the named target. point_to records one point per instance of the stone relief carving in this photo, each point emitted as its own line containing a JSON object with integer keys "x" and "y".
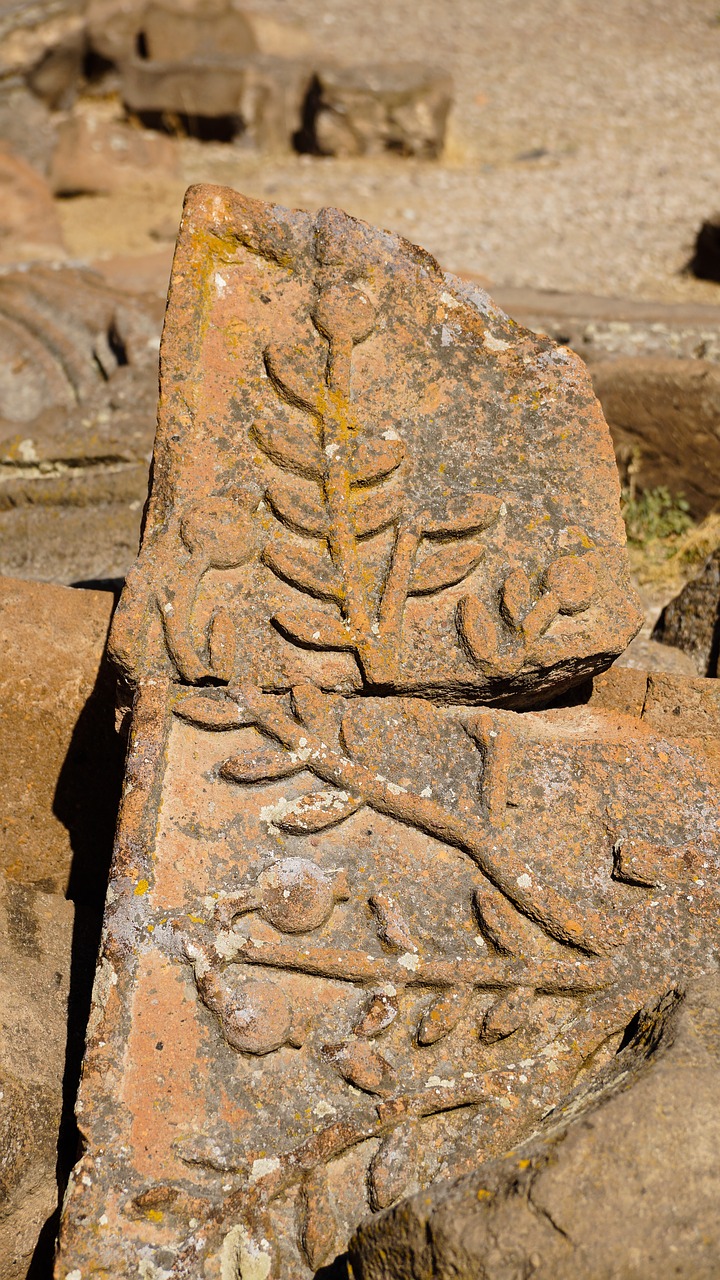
{"x": 365, "y": 922}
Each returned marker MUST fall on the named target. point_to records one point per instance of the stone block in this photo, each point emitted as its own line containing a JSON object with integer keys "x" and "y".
{"x": 60, "y": 775}
{"x": 257, "y": 100}
{"x": 361, "y": 923}
{"x": 367, "y": 110}
{"x": 95, "y": 155}
{"x": 78, "y": 377}
{"x": 691, "y": 621}
{"x": 35, "y": 954}
{"x": 29, "y": 224}
{"x": 403, "y": 489}
{"x": 664, "y": 415}
{"x": 351, "y": 943}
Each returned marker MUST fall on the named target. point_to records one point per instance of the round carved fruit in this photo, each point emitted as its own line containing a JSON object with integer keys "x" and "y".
{"x": 258, "y": 1017}
{"x": 296, "y": 895}
{"x": 573, "y": 580}
{"x": 344, "y": 312}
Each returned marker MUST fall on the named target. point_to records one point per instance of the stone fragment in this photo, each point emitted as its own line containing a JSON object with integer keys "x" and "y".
{"x": 78, "y": 369}
{"x": 254, "y": 1069}
{"x": 35, "y": 948}
{"x": 120, "y": 29}
{"x": 257, "y": 100}
{"x": 61, "y": 761}
{"x": 29, "y": 224}
{"x": 42, "y": 42}
{"x": 402, "y": 490}
{"x": 367, "y": 110}
{"x": 664, "y": 415}
{"x": 347, "y": 937}
{"x": 96, "y": 155}
{"x": 691, "y": 621}
{"x": 621, "y": 1179}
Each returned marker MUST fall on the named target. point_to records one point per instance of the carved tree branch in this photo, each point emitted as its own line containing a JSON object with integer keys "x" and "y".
{"x": 554, "y": 913}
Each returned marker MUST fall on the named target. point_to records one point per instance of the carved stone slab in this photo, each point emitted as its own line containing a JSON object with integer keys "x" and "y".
{"x": 367, "y": 476}
{"x": 353, "y": 941}
{"x": 354, "y": 945}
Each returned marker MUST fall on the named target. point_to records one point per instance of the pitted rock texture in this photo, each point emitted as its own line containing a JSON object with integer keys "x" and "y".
{"x": 620, "y": 1183}
{"x": 355, "y": 944}
{"x": 367, "y": 476}
{"x": 35, "y": 946}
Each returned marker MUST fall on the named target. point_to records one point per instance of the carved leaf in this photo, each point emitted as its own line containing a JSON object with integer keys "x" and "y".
{"x": 391, "y": 926}
{"x": 500, "y": 924}
{"x": 477, "y": 631}
{"x": 375, "y": 509}
{"x": 444, "y": 568}
{"x": 319, "y": 712}
{"x": 541, "y": 616}
{"x": 374, "y": 459}
{"x": 316, "y": 812}
{"x": 360, "y": 1064}
{"x": 393, "y": 1167}
{"x": 289, "y": 446}
{"x": 465, "y": 516}
{"x": 317, "y": 1226}
{"x": 442, "y": 1016}
{"x": 208, "y": 712}
{"x": 295, "y": 384}
{"x": 377, "y": 1014}
{"x": 221, "y": 643}
{"x": 516, "y": 598}
{"x": 261, "y": 764}
{"x": 505, "y": 1016}
{"x": 309, "y": 571}
{"x": 315, "y": 630}
{"x": 298, "y": 505}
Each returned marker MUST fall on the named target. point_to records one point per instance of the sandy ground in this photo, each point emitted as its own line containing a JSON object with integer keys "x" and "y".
{"x": 583, "y": 151}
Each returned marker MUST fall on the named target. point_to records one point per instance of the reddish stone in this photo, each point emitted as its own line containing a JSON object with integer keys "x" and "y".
{"x": 356, "y": 933}
{"x": 58, "y": 788}
{"x": 422, "y": 496}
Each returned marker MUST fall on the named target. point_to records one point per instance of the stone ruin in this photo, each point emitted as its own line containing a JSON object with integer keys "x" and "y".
{"x": 206, "y": 69}
{"x": 396, "y": 865}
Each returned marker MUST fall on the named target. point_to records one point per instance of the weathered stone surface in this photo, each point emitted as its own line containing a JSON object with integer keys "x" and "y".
{"x": 367, "y": 476}
{"x": 119, "y": 29}
{"x": 36, "y": 40}
{"x": 622, "y": 1180}
{"x": 370, "y": 109}
{"x": 29, "y": 225}
{"x": 95, "y": 155}
{"x": 665, "y": 415}
{"x": 59, "y": 783}
{"x": 691, "y": 621}
{"x": 352, "y": 943}
{"x": 35, "y": 944}
{"x": 336, "y": 924}
{"x": 257, "y": 100}
{"x": 78, "y": 376}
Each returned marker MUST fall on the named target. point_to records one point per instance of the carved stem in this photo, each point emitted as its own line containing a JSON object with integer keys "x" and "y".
{"x": 337, "y": 424}
{"x": 548, "y": 908}
{"x": 547, "y": 976}
{"x": 402, "y": 563}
